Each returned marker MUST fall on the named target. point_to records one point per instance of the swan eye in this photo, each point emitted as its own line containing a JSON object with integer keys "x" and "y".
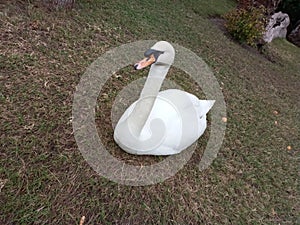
{"x": 153, "y": 52}
{"x": 151, "y": 58}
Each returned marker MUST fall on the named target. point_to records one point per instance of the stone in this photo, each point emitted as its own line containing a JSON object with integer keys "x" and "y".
{"x": 277, "y": 27}
{"x": 294, "y": 36}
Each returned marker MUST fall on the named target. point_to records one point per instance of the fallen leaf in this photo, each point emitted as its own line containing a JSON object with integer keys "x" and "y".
{"x": 82, "y": 220}
{"x": 274, "y": 212}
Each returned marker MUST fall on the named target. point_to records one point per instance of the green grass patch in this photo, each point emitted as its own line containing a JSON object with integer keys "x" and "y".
{"x": 45, "y": 180}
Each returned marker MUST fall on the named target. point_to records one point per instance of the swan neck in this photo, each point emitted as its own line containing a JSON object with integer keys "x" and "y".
{"x": 154, "y": 80}
{"x": 144, "y": 105}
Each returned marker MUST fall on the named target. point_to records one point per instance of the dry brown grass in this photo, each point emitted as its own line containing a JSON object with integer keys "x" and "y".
{"x": 44, "y": 178}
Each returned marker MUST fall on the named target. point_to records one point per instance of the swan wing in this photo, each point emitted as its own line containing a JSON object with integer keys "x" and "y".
{"x": 184, "y": 117}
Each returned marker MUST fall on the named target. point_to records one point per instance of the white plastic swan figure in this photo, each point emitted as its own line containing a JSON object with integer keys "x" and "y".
{"x": 161, "y": 123}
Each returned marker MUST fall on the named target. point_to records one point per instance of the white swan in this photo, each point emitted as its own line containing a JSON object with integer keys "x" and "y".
{"x": 161, "y": 123}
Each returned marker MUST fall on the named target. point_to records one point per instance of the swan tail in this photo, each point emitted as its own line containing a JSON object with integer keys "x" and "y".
{"x": 203, "y": 106}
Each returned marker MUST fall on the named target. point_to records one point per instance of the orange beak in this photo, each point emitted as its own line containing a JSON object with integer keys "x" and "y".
{"x": 145, "y": 62}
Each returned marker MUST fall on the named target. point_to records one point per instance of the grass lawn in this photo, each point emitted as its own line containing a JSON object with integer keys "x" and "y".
{"x": 45, "y": 180}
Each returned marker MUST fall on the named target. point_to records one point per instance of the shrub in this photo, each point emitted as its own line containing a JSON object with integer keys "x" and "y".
{"x": 247, "y": 25}
{"x": 270, "y": 5}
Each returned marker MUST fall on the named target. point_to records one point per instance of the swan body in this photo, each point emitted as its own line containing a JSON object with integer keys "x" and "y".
{"x": 165, "y": 122}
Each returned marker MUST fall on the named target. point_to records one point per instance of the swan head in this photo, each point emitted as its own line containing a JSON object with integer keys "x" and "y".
{"x": 161, "y": 53}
